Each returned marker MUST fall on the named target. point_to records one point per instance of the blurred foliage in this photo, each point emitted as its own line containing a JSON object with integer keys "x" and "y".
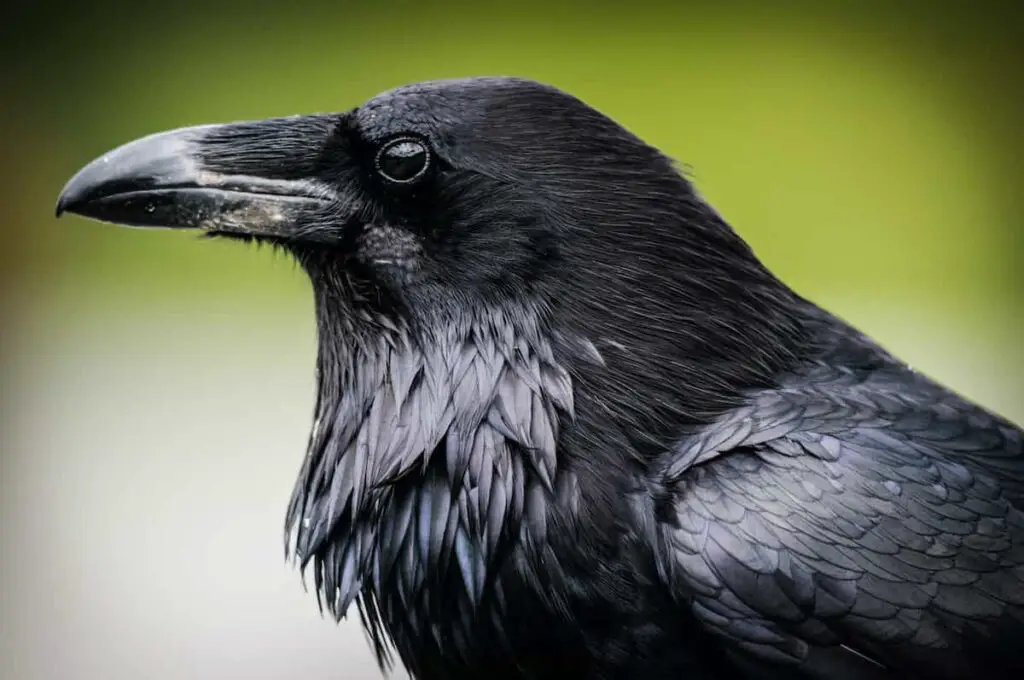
{"x": 865, "y": 149}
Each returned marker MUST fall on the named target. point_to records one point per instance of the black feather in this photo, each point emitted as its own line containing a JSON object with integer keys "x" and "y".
{"x": 601, "y": 440}
{"x": 568, "y": 426}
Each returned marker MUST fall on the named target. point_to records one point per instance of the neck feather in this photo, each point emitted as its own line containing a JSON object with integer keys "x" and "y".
{"x": 433, "y": 451}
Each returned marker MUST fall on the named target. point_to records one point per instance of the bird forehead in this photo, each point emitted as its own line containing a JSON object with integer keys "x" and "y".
{"x": 385, "y": 116}
{"x": 432, "y": 108}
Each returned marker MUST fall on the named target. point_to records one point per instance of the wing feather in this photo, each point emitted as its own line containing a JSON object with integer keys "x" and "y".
{"x": 854, "y": 525}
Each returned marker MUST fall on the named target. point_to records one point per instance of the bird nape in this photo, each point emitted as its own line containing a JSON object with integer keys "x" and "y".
{"x": 567, "y": 424}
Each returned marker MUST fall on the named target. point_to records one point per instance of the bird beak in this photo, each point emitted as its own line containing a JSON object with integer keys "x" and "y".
{"x": 254, "y": 178}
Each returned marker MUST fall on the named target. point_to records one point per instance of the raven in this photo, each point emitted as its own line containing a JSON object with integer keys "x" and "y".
{"x": 569, "y": 426}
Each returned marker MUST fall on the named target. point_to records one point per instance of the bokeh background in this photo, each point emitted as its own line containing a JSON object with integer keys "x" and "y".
{"x": 157, "y": 390}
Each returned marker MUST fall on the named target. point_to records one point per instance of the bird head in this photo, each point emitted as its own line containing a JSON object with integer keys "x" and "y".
{"x": 438, "y": 199}
{"x": 431, "y": 195}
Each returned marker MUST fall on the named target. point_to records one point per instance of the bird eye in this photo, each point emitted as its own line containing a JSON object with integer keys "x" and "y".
{"x": 403, "y": 160}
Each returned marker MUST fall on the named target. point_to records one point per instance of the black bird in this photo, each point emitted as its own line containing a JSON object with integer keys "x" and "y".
{"x": 568, "y": 425}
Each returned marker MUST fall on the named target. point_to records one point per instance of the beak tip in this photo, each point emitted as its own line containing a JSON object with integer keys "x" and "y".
{"x": 78, "y": 190}
{"x": 69, "y": 198}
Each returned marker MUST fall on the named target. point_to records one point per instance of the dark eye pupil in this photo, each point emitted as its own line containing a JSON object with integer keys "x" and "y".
{"x": 403, "y": 160}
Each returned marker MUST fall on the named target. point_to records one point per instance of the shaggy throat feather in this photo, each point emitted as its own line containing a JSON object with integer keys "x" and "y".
{"x": 430, "y": 457}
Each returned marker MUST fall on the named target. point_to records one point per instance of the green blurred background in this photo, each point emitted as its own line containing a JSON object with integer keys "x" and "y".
{"x": 157, "y": 390}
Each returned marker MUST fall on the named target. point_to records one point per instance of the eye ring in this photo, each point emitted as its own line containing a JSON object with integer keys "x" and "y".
{"x": 403, "y": 160}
